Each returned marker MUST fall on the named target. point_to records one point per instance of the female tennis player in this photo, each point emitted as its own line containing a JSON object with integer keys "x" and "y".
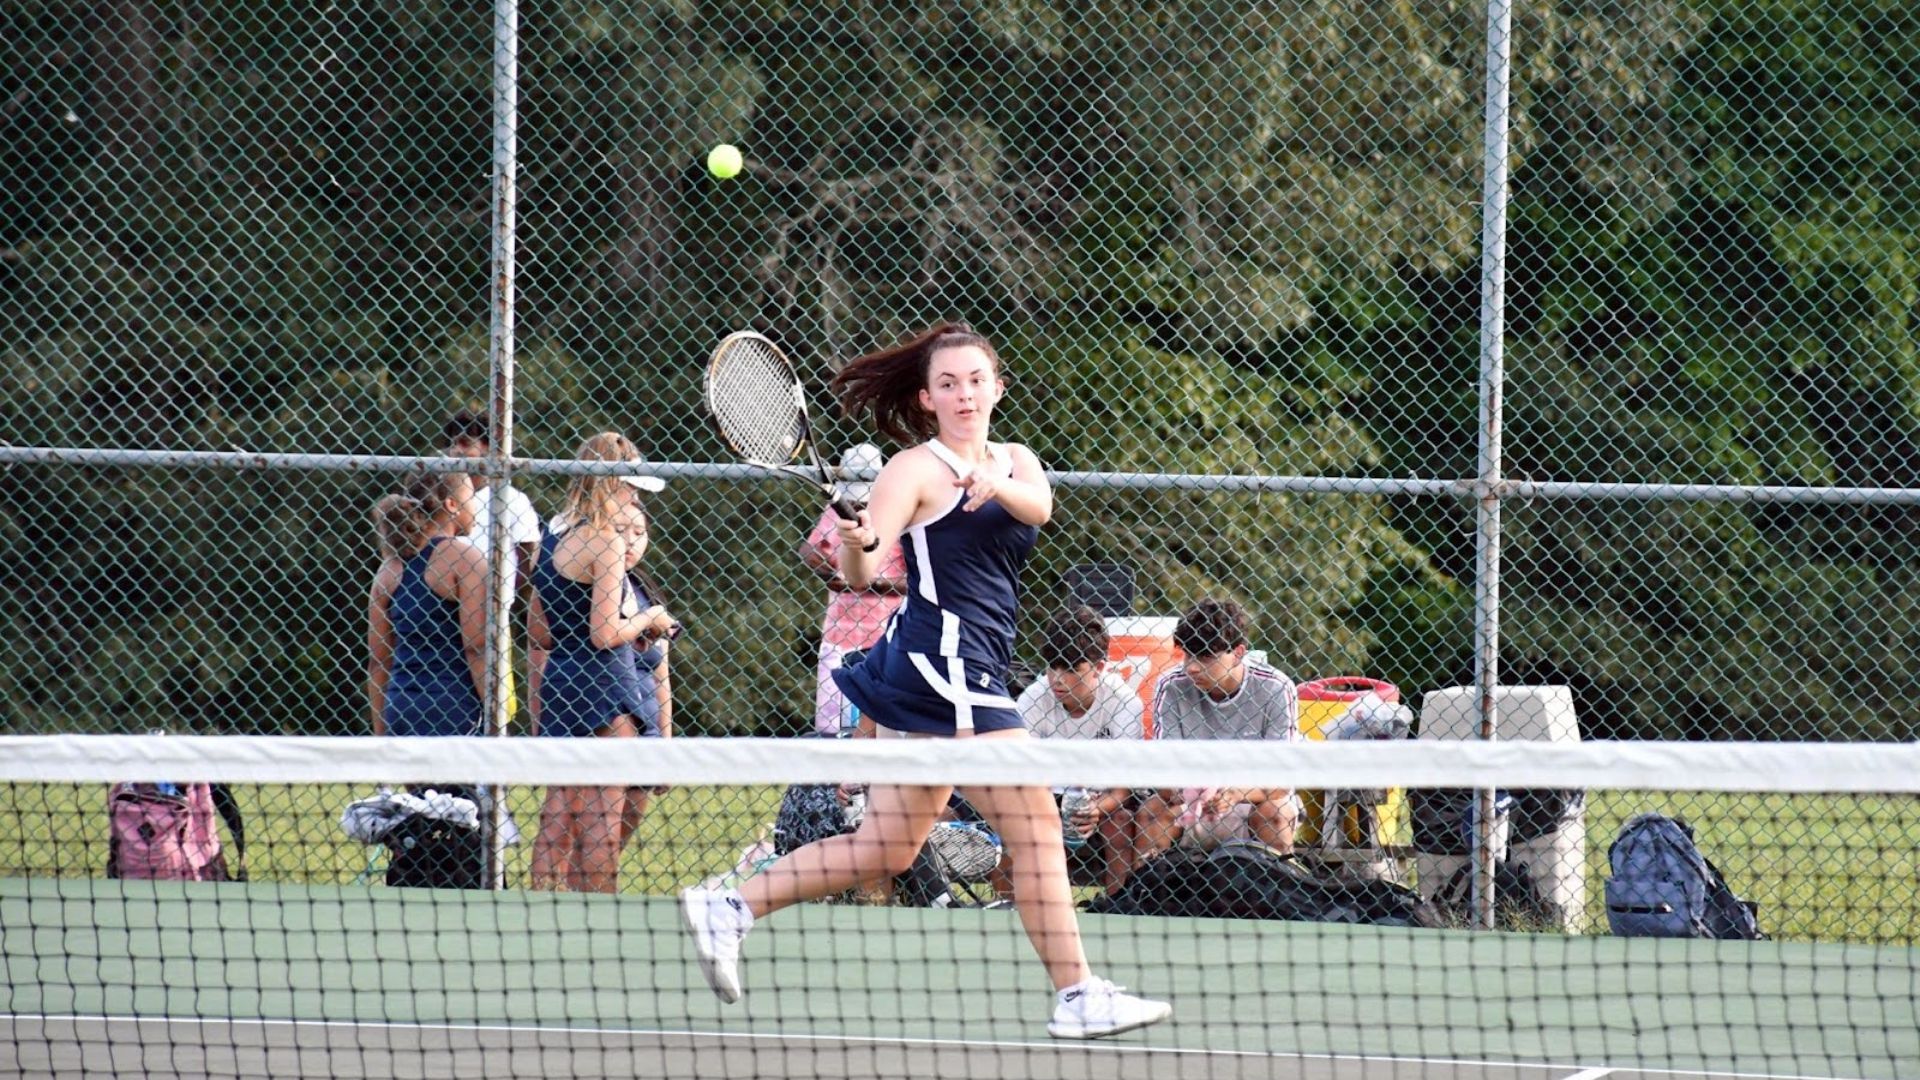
{"x": 590, "y": 678}
{"x": 426, "y": 612}
{"x": 967, "y": 511}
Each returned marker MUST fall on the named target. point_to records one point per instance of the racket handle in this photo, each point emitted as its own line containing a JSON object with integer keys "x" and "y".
{"x": 845, "y": 508}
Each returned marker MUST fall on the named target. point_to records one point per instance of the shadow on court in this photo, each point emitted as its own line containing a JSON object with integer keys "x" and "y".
{"x": 196, "y": 980}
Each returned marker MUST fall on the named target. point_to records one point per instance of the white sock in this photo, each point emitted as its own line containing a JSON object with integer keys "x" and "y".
{"x": 1082, "y": 986}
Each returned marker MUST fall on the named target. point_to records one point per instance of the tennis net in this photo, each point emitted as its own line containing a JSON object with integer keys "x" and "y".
{"x": 1365, "y": 954}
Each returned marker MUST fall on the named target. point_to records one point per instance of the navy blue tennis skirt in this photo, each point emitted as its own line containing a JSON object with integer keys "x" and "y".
{"x": 928, "y": 695}
{"x": 585, "y": 689}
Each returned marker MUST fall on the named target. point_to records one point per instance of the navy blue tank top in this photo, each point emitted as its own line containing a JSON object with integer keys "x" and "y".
{"x": 569, "y": 603}
{"x": 569, "y": 609}
{"x": 428, "y": 656}
{"x": 963, "y": 576}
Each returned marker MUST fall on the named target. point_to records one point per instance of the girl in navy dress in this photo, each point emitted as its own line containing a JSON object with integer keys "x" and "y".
{"x": 592, "y": 626}
{"x": 427, "y": 611}
{"x": 966, "y": 511}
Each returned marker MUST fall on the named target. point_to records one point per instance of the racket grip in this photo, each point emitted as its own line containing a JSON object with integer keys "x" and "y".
{"x": 847, "y": 512}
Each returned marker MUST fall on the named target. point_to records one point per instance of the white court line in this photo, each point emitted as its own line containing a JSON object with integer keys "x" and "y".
{"x": 890, "y": 1040}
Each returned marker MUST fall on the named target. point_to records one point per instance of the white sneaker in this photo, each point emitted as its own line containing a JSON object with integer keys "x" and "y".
{"x": 1097, "y": 1008}
{"x": 718, "y": 919}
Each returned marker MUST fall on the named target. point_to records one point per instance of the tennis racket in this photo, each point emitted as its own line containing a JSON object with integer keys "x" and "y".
{"x": 760, "y": 407}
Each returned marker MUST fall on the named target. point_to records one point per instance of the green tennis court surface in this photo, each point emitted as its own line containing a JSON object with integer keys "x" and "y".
{"x": 200, "y": 980}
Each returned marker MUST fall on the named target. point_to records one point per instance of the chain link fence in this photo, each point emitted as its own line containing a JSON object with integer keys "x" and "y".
{"x": 1216, "y": 240}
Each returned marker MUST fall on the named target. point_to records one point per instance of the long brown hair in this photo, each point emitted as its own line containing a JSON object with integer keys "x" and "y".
{"x": 403, "y": 522}
{"x": 888, "y": 382}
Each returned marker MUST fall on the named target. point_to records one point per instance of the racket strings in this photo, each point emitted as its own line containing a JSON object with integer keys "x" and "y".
{"x": 751, "y": 392}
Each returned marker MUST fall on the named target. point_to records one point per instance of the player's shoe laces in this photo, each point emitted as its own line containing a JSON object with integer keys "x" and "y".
{"x": 1097, "y": 1008}
{"x": 717, "y": 919}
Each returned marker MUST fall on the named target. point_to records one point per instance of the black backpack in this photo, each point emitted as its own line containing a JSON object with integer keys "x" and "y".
{"x": 430, "y": 853}
{"x": 808, "y": 814}
{"x": 1247, "y": 880}
{"x": 812, "y": 812}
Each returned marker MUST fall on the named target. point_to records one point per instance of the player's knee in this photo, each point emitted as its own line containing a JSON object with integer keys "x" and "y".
{"x": 897, "y": 858}
{"x": 1048, "y": 829}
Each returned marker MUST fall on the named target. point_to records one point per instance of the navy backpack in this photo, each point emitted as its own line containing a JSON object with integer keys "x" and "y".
{"x": 1663, "y": 887}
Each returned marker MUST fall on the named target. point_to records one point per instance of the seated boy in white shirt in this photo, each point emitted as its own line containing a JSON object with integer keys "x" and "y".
{"x": 1081, "y": 699}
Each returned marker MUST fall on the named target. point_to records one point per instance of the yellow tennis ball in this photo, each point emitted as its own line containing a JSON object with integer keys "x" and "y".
{"x": 724, "y": 161}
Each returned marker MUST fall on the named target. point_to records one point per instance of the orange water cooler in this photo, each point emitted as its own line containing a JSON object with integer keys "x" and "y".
{"x": 1140, "y": 649}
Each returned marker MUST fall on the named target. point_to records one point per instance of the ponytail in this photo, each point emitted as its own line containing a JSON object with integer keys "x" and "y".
{"x": 888, "y": 382}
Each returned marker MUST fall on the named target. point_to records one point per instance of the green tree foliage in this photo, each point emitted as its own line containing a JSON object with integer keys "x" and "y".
{"x": 1753, "y": 325}
{"x": 1214, "y": 235}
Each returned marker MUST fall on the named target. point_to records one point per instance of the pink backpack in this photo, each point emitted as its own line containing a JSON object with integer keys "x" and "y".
{"x": 164, "y": 832}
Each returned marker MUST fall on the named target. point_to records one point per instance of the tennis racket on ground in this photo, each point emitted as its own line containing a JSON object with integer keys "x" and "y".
{"x": 760, "y": 407}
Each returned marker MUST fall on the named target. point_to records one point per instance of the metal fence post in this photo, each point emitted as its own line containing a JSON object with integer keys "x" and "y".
{"x": 501, "y": 553}
{"x": 1486, "y": 583}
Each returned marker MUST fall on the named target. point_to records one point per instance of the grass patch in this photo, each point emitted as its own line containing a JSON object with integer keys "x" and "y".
{"x": 294, "y": 834}
{"x": 1822, "y": 867}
